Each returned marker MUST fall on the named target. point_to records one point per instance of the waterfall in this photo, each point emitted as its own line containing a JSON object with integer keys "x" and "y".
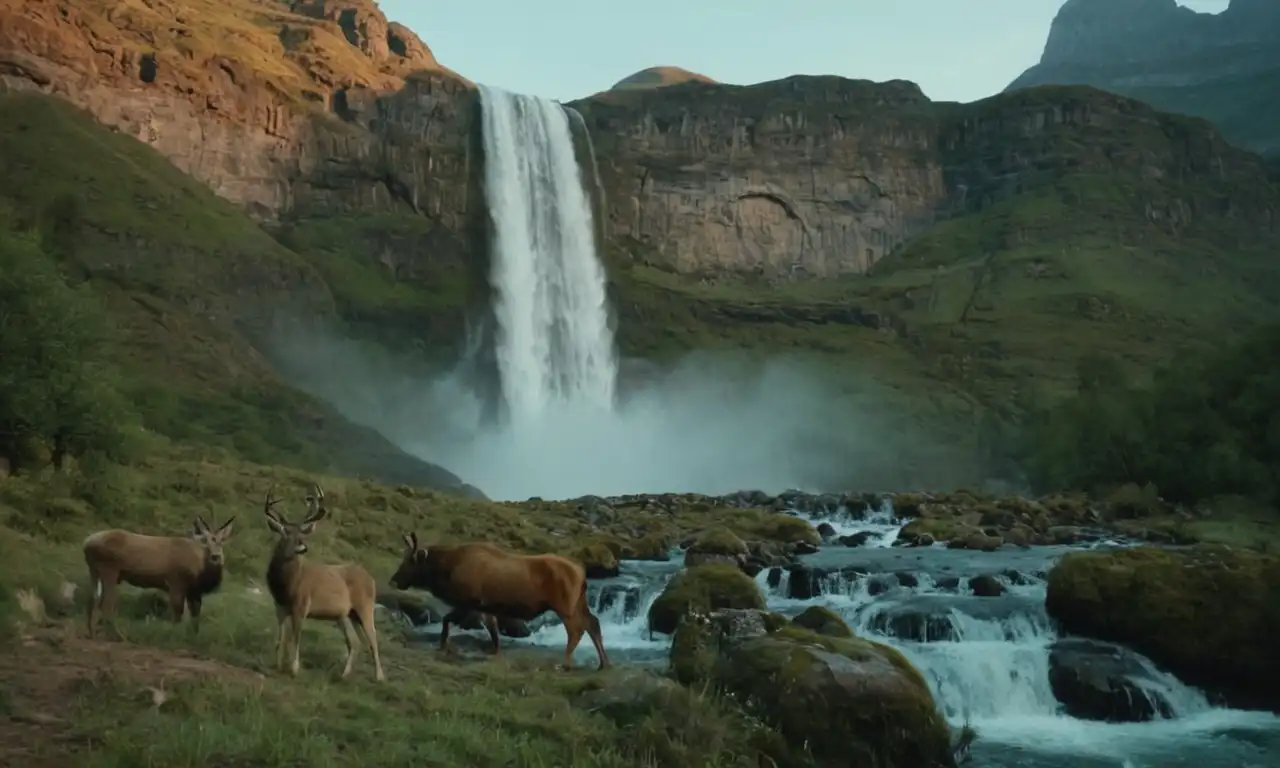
{"x": 554, "y": 345}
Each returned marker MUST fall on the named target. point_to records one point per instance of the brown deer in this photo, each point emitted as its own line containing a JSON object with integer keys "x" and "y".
{"x": 188, "y": 568}
{"x": 343, "y": 593}
{"x": 483, "y": 578}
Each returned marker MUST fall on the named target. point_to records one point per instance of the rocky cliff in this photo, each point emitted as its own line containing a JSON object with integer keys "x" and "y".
{"x": 305, "y": 112}
{"x": 1224, "y": 67}
{"x": 823, "y": 176}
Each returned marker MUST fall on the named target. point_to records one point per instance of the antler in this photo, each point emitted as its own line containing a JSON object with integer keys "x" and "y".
{"x": 315, "y": 503}
{"x": 269, "y": 503}
{"x": 411, "y": 540}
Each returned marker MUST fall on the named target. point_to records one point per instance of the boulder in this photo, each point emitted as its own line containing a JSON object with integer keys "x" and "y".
{"x": 986, "y": 585}
{"x": 835, "y": 701}
{"x": 824, "y": 621}
{"x": 1101, "y": 681}
{"x": 1208, "y": 614}
{"x": 717, "y": 545}
{"x": 703, "y": 588}
{"x": 598, "y": 559}
{"x": 787, "y": 530}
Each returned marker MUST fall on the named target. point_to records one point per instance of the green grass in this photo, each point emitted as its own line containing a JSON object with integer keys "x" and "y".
{"x": 174, "y": 698}
{"x": 217, "y": 710}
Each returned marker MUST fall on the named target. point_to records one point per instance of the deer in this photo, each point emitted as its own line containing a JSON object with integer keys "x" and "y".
{"x": 342, "y": 593}
{"x": 484, "y": 578}
{"x": 188, "y": 568}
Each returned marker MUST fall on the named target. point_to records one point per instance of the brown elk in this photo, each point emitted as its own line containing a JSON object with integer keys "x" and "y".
{"x": 188, "y": 568}
{"x": 343, "y": 594}
{"x": 484, "y": 578}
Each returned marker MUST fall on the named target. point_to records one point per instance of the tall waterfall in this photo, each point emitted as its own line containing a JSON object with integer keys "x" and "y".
{"x": 554, "y": 344}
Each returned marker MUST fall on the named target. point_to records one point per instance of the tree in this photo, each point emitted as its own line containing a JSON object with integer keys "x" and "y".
{"x": 57, "y": 386}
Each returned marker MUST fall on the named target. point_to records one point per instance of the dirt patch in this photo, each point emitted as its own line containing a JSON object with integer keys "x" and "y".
{"x": 44, "y": 672}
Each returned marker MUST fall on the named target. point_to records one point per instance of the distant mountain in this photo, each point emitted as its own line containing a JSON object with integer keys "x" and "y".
{"x": 656, "y": 77}
{"x": 1224, "y": 67}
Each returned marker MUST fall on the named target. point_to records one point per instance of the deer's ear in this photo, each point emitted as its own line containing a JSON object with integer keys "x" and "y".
{"x": 408, "y": 542}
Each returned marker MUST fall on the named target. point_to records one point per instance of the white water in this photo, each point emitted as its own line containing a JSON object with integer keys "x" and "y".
{"x": 554, "y": 345}
{"x": 993, "y": 674}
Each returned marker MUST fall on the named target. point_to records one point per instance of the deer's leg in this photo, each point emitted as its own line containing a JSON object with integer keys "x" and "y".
{"x": 353, "y": 643}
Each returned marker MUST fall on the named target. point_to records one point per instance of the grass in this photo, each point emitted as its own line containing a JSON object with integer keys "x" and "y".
{"x": 214, "y": 699}
{"x": 170, "y": 697}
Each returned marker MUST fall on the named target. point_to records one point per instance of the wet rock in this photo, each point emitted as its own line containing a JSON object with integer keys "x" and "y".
{"x": 703, "y": 589}
{"x": 858, "y": 539}
{"x": 827, "y": 531}
{"x": 986, "y": 585}
{"x": 804, "y": 582}
{"x": 907, "y": 579}
{"x": 978, "y": 541}
{"x": 932, "y": 618}
{"x": 1101, "y": 681}
{"x": 949, "y": 583}
{"x": 824, "y": 621}
{"x": 815, "y": 691}
{"x": 803, "y": 548}
{"x": 613, "y": 595}
{"x": 774, "y": 578}
{"x": 1064, "y": 534}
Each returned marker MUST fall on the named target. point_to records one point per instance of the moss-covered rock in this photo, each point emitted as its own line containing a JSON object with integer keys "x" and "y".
{"x": 824, "y": 621}
{"x": 836, "y": 700}
{"x": 787, "y": 529}
{"x": 1208, "y": 614}
{"x": 716, "y": 545}
{"x": 599, "y": 560}
{"x": 703, "y": 589}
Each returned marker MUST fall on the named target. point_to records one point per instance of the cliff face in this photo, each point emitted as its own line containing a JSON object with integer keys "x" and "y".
{"x": 816, "y": 177}
{"x": 316, "y": 111}
{"x": 1224, "y": 67}
{"x": 285, "y": 108}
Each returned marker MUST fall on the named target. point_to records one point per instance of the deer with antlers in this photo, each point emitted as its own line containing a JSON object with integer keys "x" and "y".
{"x": 342, "y": 593}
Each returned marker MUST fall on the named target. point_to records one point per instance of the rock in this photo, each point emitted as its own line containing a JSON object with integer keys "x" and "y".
{"x": 978, "y": 541}
{"x": 787, "y": 530}
{"x": 856, "y": 539}
{"x": 613, "y": 594}
{"x": 1064, "y": 534}
{"x": 804, "y": 582}
{"x": 1208, "y": 614}
{"x": 824, "y": 621}
{"x": 986, "y": 585}
{"x": 826, "y": 530}
{"x": 1097, "y": 681}
{"x": 419, "y": 609}
{"x": 717, "y": 545}
{"x": 703, "y": 588}
{"x": 599, "y": 560}
{"x": 835, "y": 701}
{"x": 803, "y": 548}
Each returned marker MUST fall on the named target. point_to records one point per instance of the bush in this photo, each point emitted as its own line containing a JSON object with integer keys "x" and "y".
{"x": 1205, "y": 426}
{"x": 58, "y": 389}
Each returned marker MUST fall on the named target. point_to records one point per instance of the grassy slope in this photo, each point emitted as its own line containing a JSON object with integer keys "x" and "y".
{"x": 218, "y": 706}
{"x": 185, "y": 275}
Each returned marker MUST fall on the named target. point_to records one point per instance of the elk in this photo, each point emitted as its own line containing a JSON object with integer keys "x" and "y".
{"x": 482, "y": 577}
{"x": 187, "y": 567}
{"x": 343, "y": 593}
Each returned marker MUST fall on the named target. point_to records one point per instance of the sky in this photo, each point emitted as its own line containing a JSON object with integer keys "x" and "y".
{"x": 956, "y": 50}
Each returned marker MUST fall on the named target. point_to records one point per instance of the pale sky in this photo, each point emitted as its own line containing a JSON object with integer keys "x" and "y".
{"x": 957, "y": 50}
